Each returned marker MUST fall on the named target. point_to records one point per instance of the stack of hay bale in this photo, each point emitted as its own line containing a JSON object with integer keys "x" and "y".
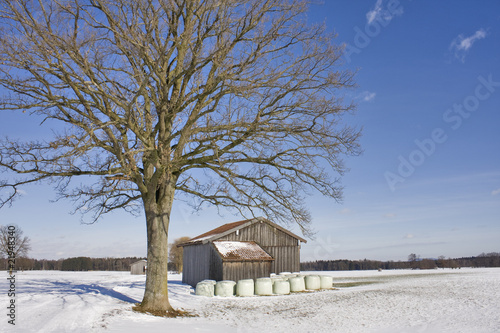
{"x": 282, "y": 284}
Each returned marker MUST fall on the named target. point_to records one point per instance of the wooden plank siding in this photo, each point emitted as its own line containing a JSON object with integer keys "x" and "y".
{"x": 239, "y": 270}
{"x": 263, "y": 234}
{"x": 281, "y": 246}
{"x": 286, "y": 258}
{"x": 196, "y": 263}
{"x": 216, "y": 265}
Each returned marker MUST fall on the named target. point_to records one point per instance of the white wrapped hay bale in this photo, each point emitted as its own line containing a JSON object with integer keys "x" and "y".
{"x": 285, "y": 273}
{"x": 263, "y": 286}
{"x": 204, "y": 289}
{"x": 313, "y": 282}
{"x": 277, "y": 278}
{"x": 326, "y": 282}
{"x": 225, "y": 288}
{"x": 245, "y": 287}
{"x": 297, "y": 284}
{"x": 213, "y": 282}
{"x": 281, "y": 287}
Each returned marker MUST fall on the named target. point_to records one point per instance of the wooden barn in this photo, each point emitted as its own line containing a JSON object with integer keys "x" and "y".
{"x": 138, "y": 267}
{"x": 241, "y": 250}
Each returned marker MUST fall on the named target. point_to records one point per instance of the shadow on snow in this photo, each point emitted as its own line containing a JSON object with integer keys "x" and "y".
{"x": 53, "y": 287}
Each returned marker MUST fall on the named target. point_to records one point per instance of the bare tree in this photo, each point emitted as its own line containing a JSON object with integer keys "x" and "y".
{"x": 233, "y": 103}
{"x": 413, "y": 260}
{"x": 12, "y": 243}
{"x": 175, "y": 253}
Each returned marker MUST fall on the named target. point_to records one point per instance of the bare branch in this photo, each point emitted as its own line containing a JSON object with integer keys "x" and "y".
{"x": 155, "y": 92}
{"x": 12, "y": 242}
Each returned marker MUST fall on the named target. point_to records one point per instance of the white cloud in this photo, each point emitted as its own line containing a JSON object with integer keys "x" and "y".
{"x": 379, "y": 13}
{"x": 368, "y": 96}
{"x": 495, "y": 192}
{"x": 409, "y": 236}
{"x": 461, "y": 45}
{"x": 466, "y": 43}
{"x": 372, "y": 15}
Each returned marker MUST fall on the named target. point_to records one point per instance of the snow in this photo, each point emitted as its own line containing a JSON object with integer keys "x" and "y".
{"x": 241, "y": 250}
{"x": 464, "y": 300}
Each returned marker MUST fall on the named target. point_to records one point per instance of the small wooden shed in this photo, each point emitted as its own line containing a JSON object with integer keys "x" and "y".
{"x": 241, "y": 250}
{"x": 139, "y": 267}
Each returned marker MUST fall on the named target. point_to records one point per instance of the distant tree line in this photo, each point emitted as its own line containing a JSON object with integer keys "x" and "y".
{"x": 98, "y": 264}
{"x": 413, "y": 262}
{"x": 74, "y": 264}
{"x": 78, "y": 264}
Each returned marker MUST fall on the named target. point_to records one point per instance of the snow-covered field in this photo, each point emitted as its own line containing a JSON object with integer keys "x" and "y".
{"x": 465, "y": 300}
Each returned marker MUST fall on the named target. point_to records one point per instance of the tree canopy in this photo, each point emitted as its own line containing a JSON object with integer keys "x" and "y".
{"x": 231, "y": 103}
{"x": 13, "y": 243}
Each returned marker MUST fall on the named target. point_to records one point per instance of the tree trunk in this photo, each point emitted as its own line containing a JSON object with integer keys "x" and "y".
{"x": 157, "y": 207}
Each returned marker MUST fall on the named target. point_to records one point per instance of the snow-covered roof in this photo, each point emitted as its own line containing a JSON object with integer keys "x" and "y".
{"x": 249, "y": 251}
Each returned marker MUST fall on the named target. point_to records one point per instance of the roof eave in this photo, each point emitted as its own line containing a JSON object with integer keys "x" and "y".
{"x": 227, "y": 232}
{"x": 191, "y": 243}
{"x": 246, "y": 260}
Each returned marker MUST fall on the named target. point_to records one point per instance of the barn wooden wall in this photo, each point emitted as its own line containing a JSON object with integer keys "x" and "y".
{"x": 239, "y": 270}
{"x": 281, "y": 246}
{"x": 287, "y": 258}
{"x": 196, "y": 263}
{"x": 216, "y": 265}
{"x": 264, "y": 234}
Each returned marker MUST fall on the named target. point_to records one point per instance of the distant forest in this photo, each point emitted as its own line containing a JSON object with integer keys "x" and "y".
{"x": 123, "y": 264}
{"x": 413, "y": 262}
{"x": 74, "y": 264}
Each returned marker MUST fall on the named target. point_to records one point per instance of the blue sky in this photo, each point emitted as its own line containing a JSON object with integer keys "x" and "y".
{"x": 428, "y": 182}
